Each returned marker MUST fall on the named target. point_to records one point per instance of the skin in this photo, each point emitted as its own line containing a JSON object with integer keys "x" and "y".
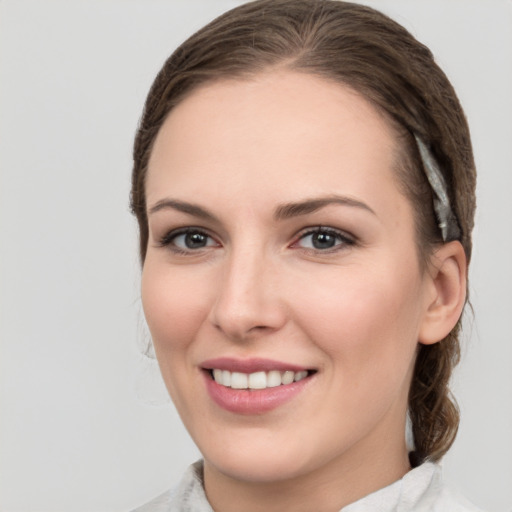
{"x": 259, "y": 288}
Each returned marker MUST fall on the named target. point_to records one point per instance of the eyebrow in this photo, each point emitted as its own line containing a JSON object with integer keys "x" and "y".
{"x": 282, "y": 212}
{"x": 182, "y": 206}
{"x": 289, "y": 210}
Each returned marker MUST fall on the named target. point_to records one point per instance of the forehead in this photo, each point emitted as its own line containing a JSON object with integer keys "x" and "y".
{"x": 281, "y": 128}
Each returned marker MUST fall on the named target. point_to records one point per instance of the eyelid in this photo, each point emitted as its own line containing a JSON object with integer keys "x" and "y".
{"x": 166, "y": 240}
{"x": 347, "y": 239}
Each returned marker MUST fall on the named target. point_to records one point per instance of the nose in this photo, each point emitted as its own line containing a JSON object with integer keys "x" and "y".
{"x": 248, "y": 303}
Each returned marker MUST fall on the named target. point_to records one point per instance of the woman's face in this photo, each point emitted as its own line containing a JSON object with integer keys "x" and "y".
{"x": 281, "y": 249}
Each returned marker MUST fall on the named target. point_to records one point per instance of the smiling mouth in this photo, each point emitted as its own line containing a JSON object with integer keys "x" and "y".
{"x": 254, "y": 386}
{"x": 257, "y": 380}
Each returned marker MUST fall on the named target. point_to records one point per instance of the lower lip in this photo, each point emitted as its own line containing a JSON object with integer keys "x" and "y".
{"x": 254, "y": 401}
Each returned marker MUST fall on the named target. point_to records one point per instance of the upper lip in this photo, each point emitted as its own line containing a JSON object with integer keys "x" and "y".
{"x": 250, "y": 365}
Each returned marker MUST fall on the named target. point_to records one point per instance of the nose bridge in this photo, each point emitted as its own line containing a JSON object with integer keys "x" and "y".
{"x": 248, "y": 299}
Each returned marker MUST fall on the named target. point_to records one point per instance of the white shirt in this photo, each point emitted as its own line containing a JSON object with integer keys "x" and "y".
{"x": 420, "y": 490}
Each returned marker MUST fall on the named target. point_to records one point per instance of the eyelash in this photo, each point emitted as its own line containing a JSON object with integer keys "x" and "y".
{"x": 168, "y": 240}
{"x": 343, "y": 239}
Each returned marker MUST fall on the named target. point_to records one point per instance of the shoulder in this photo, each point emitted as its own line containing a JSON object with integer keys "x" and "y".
{"x": 450, "y": 501}
{"x": 439, "y": 497}
{"x": 159, "y": 504}
{"x": 420, "y": 490}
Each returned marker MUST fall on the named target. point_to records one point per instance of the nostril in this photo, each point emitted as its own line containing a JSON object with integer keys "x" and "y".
{"x": 240, "y": 330}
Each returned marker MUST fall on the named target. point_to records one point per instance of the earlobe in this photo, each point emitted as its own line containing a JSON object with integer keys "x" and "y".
{"x": 447, "y": 292}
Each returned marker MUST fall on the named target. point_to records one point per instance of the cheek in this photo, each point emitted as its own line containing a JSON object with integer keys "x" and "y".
{"x": 174, "y": 305}
{"x": 366, "y": 323}
{"x": 366, "y": 320}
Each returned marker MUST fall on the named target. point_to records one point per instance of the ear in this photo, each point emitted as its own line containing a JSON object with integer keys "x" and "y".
{"x": 446, "y": 295}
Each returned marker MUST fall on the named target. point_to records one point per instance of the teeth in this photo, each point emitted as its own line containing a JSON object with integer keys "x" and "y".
{"x": 217, "y": 376}
{"x": 257, "y": 380}
{"x": 287, "y": 377}
{"x": 273, "y": 379}
{"x": 226, "y": 378}
{"x": 300, "y": 375}
{"x": 239, "y": 380}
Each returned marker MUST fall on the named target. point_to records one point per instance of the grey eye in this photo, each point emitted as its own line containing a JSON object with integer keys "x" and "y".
{"x": 320, "y": 240}
{"x": 193, "y": 240}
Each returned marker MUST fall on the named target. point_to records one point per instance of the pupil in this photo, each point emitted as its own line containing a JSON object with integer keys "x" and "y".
{"x": 195, "y": 240}
{"x": 323, "y": 241}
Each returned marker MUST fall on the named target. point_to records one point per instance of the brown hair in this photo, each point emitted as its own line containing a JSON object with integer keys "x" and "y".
{"x": 359, "y": 47}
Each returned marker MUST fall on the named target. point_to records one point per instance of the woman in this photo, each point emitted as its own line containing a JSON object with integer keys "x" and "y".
{"x": 304, "y": 186}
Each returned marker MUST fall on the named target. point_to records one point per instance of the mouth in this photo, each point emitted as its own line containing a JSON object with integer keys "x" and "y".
{"x": 254, "y": 386}
{"x": 257, "y": 380}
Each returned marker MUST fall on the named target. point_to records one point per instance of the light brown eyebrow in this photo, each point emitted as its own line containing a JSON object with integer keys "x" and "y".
{"x": 289, "y": 210}
{"x": 182, "y": 206}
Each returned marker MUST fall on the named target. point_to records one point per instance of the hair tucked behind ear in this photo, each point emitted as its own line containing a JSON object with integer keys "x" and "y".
{"x": 361, "y": 48}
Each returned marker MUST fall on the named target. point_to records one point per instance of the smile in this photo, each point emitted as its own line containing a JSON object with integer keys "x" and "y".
{"x": 254, "y": 386}
{"x": 257, "y": 380}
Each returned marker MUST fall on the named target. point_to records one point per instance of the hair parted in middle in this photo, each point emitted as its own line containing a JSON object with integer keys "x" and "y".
{"x": 363, "y": 49}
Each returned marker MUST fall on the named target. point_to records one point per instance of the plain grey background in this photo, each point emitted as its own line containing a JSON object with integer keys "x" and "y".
{"x": 85, "y": 424}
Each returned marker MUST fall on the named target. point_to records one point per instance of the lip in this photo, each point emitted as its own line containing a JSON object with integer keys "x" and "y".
{"x": 250, "y": 365}
{"x": 254, "y": 401}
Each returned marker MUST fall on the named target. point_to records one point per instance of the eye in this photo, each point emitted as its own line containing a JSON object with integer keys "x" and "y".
{"x": 189, "y": 239}
{"x": 323, "y": 239}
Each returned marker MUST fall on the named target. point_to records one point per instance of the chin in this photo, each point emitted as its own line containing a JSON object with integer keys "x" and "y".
{"x": 265, "y": 461}
{"x": 259, "y": 469}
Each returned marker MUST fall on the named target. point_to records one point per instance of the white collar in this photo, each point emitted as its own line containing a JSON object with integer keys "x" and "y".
{"x": 420, "y": 490}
